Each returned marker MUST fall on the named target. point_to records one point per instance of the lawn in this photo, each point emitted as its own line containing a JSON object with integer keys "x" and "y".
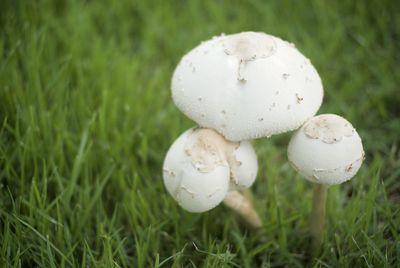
{"x": 86, "y": 118}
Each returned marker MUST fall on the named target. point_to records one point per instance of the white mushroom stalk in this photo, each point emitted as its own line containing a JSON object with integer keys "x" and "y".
{"x": 327, "y": 150}
{"x": 201, "y": 167}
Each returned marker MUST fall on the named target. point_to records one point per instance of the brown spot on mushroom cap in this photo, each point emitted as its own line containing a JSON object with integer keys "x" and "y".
{"x": 328, "y": 128}
{"x": 227, "y": 52}
{"x": 349, "y": 168}
{"x": 272, "y": 106}
{"x": 213, "y": 193}
{"x": 207, "y": 149}
{"x": 346, "y": 168}
{"x": 299, "y": 99}
{"x": 170, "y": 172}
{"x": 248, "y": 46}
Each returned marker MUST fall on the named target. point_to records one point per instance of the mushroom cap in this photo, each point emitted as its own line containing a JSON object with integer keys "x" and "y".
{"x": 326, "y": 150}
{"x": 244, "y": 166}
{"x": 198, "y": 181}
{"x": 247, "y": 85}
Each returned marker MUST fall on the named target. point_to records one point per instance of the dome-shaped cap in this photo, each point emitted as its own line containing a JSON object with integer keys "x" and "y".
{"x": 247, "y": 85}
{"x": 196, "y": 173}
{"x": 201, "y": 167}
{"x": 326, "y": 150}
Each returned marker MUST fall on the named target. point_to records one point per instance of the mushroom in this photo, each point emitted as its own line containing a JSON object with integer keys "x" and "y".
{"x": 201, "y": 167}
{"x": 326, "y": 150}
{"x": 247, "y": 85}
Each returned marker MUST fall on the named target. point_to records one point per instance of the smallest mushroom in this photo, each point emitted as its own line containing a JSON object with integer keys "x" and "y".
{"x": 201, "y": 167}
{"x": 327, "y": 150}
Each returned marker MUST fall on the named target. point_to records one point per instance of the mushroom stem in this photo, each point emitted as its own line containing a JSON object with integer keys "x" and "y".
{"x": 317, "y": 220}
{"x": 242, "y": 206}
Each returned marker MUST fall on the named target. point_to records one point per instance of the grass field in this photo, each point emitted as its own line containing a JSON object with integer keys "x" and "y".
{"x": 86, "y": 118}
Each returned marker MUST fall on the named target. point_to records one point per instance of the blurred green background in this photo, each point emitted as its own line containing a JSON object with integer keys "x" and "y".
{"x": 86, "y": 118}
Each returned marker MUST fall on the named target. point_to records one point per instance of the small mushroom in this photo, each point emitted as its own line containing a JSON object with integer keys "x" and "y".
{"x": 202, "y": 166}
{"x": 324, "y": 149}
{"x": 327, "y": 150}
{"x": 200, "y": 169}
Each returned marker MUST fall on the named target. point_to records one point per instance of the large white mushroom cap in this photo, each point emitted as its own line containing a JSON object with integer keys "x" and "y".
{"x": 247, "y": 85}
{"x": 201, "y": 167}
{"x": 326, "y": 150}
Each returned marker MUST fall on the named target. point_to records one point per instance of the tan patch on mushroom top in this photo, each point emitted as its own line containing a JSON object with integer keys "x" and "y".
{"x": 207, "y": 149}
{"x": 249, "y": 46}
{"x": 328, "y": 128}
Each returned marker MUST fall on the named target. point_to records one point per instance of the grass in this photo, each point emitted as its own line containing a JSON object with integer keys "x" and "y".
{"x": 86, "y": 118}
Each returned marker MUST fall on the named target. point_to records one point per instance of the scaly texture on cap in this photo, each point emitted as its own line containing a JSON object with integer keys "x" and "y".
{"x": 326, "y": 150}
{"x": 247, "y": 85}
{"x": 201, "y": 167}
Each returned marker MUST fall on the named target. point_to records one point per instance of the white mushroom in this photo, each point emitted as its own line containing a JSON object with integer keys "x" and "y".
{"x": 199, "y": 165}
{"x": 247, "y": 85}
{"x": 326, "y": 150}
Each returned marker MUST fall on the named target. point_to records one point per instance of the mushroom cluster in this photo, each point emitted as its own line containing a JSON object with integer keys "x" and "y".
{"x": 245, "y": 86}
